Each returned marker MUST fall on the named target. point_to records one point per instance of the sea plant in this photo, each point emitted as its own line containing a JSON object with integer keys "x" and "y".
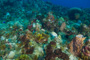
{"x": 41, "y": 37}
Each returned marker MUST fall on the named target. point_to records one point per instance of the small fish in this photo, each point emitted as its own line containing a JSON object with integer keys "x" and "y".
{"x": 4, "y": 22}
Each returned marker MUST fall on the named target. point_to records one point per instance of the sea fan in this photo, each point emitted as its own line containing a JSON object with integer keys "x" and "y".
{"x": 76, "y": 44}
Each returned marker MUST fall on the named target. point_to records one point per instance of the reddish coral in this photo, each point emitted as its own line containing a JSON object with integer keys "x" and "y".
{"x": 76, "y": 44}
{"x": 63, "y": 26}
{"x": 85, "y": 52}
{"x": 86, "y": 49}
{"x": 50, "y": 16}
{"x": 30, "y": 50}
{"x": 30, "y": 27}
{"x": 51, "y": 54}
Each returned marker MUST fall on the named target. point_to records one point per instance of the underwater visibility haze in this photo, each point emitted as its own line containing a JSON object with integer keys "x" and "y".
{"x": 71, "y": 3}
{"x": 44, "y": 29}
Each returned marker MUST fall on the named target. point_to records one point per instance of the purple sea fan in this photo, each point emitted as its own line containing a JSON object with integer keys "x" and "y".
{"x": 86, "y": 51}
{"x": 77, "y": 44}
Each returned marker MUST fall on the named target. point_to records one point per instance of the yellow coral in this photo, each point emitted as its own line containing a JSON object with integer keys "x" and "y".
{"x": 39, "y": 36}
{"x": 30, "y": 43}
{"x": 59, "y": 37}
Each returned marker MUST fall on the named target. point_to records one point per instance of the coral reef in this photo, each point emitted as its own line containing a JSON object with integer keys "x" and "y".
{"x": 38, "y": 30}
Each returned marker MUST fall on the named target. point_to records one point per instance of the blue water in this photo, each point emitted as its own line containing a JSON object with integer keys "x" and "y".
{"x": 72, "y": 3}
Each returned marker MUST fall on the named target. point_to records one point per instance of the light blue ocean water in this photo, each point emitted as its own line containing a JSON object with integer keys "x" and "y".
{"x": 72, "y": 3}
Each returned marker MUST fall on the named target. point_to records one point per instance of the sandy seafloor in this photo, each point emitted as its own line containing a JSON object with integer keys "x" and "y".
{"x": 38, "y": 30}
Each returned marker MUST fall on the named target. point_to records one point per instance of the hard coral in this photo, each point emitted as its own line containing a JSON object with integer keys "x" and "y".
{"x": 52, "y": 53}
{"x": 86, "y": 50}
{"x": 49, "y": 22}
{"x": 27, "y": 36}
{"x": 30, "y": 50}
{"x": 85, "y": 53}
{"x": 50, "y": 16}
{"x": 74, "y": 13}
{"x": 61, "y": 55}
{"x": 76, "y": 44}
{"x": 84, "y": 29}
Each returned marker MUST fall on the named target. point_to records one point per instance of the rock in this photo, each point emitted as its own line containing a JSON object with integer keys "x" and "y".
{"x": 54, "y": 34}
{"x": 11, "y": 55}
{"x": 3, "y": 38}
